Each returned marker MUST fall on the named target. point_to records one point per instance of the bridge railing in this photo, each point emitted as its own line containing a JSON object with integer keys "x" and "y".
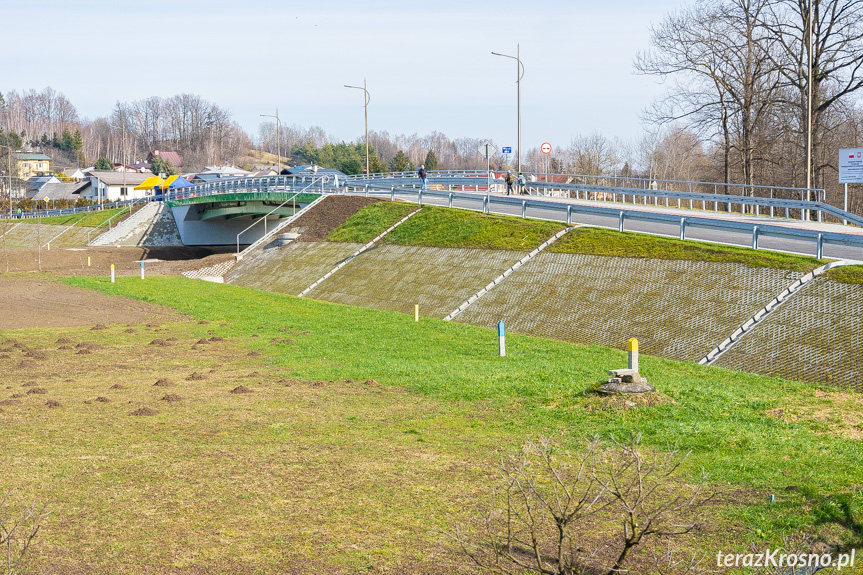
{"x": 564, "y": 211}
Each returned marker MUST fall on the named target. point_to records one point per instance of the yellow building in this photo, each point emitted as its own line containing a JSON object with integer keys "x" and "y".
{"x": 31, "y": 164}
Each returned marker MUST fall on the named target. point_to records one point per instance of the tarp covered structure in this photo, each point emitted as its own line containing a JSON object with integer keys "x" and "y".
{"x": 176, "y": 183}
{"x": 151, "y": 183}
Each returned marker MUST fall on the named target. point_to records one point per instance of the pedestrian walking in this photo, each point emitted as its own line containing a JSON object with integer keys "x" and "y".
{"x": 423, "y": 175}
{"x": 509, "y": 182}
{"x": 522, "y": 183}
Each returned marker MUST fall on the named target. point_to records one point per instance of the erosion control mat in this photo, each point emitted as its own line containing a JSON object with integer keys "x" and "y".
{"x": 37, "y": 303}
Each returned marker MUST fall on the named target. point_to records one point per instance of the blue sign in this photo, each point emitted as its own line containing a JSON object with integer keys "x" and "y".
{"x": 506, "y": 150}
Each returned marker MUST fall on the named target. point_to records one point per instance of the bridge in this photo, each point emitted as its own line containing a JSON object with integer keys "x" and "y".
{"x": 242, "y": 211}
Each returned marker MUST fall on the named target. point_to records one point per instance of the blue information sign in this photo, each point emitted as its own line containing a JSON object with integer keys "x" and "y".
{"x": 506, "y": 150}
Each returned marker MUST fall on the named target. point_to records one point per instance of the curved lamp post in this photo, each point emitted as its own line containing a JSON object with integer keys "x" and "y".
{"x": 519, "y": 75}
{"x": 368, "y": 99}
{"x": 278, "y": 138}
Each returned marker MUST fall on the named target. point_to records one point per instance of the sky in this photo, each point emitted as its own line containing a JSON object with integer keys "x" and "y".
{"x": 428, "y": 65}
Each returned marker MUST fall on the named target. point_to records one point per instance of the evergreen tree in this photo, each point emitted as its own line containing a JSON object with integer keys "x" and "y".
{"x": 104, "y": 164}
{"x": 400, "y": 162}
{"x": 66, "y": 141}
{"x": 77, "y": 141}
{"x": 431, "y": 161}
{"x": 158, "y": 166}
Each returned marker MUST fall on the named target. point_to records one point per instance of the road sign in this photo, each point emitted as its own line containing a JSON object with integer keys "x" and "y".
{"x": 545, "y": 148}
{"x": 47, "y": 199}
{"x": 487, "y": 149}
{"x": 506, "y": 150}
{"x": 851, "y": 166}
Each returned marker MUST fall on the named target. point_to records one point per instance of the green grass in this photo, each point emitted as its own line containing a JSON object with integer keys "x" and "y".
{"x": 342, "y": 476}
{"x": 717, "y": 413}
{"x": 847, "y": 274}
{"x": 443, "y": 227}
{"x": 601, "y": 242}
{"x": 452, "y": 228}
{"x": 83, "y": 219}
{"x": 370, "y": 222}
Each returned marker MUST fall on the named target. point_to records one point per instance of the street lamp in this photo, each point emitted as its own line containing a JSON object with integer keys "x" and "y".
{"x": 278, "y": 138}
{"x": 125, "y": 191}
{"x": 519, "y": 73}
{"x": 368, "y": 99}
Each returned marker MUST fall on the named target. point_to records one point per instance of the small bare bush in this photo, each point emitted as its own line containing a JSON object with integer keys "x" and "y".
{"x": 550, "y": 510}
{"x": 19, "y": 526}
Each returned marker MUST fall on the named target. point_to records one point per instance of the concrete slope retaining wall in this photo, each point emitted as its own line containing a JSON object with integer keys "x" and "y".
{"x": 815, "y": 336}
{"x": 676, "y": 309}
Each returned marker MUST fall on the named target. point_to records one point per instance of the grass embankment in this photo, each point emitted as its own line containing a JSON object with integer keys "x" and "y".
{"x": 83, "y": 219}
{"x": 367, "y": 472}
{"x": 443, "y": 227}
{"x": 847, "y": 274}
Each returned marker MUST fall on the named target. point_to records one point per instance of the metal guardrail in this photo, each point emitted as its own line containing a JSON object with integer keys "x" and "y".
{"x": 323, "y": 179}
{"x": 757, "y": 231}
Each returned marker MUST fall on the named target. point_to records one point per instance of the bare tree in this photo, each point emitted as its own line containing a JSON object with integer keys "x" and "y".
{"x": 533, "y": 524}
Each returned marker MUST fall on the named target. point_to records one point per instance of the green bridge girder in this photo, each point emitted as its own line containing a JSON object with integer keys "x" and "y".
{"x": 232, "y": 205}
{"x": 271, "y": 197}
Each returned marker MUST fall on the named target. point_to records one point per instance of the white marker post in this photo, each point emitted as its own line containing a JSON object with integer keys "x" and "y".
{"x": 632, "y": 354}
{"x": 142, "y": 270}
{"x": 501, "y": 338}
{"x": 112, "y": 273}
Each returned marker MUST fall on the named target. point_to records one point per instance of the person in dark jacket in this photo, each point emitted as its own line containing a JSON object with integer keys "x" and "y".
{"x": 509, "y": 182}
{"x": 423, "y": 175}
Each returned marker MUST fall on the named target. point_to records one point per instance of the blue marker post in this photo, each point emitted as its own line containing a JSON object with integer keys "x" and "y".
{"x": 501, "y": 338}
{"x": 142, "y": 269}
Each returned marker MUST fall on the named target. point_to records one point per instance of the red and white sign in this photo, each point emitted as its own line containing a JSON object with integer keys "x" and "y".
{"x": 545, "y": 148}
{"x": 851, "y": 166}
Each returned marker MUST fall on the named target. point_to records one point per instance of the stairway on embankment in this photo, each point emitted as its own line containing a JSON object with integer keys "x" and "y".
{"x": 152, "y": 225}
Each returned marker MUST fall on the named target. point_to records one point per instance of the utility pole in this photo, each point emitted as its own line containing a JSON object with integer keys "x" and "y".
{"x": 278, "y": 138}
{"x": 368, "y": 99}
{"x": 519, "y": 74}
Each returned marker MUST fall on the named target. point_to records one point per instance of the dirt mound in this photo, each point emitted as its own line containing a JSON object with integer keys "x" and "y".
{"x": 36, "y": 390}
{"x": 52, "y": 403}
{"x": 99, "y": 326}
{"x": 164, "y": 382}
{"x": 65, "y": 340}
{"x": 144, "y": 411}
{"x": 328, "y": 215}
{"x": 196, "y": 376}
{"x": 241, "y": 389}
{"x": 103, "y": 399}
{"x": 172, "y": 397}
{"x": 161, "y": 342}
{"x": 118, "y": 386}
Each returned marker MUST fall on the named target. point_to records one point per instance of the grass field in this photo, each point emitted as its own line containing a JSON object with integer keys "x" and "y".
{"x": 443, "y": 227}
{"x": 83, "y": 219}
{"x": 365, "y": 433}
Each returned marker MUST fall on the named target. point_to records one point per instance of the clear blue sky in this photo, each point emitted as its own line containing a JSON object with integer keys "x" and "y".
{"x": 428, "y": 65}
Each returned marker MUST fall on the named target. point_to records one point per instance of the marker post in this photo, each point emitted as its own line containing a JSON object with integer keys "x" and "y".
{"x": 112, "y": 273}
{"x": 632, "y": 353}
{"x": 501, "y": 338}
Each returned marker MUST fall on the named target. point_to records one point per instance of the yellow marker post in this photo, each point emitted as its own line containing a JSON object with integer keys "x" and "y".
{"x": 112, "y": 273}
{"x": 88, "y": 261}
{"x": 48, "y": 246}
{"x": 632, "y": 353}
{"x": 416, "y": 312}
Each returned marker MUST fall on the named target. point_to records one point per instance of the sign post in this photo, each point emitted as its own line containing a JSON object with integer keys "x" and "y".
{"x": 487, "y": 149}
{"x": 545, "y": 148}
{"x": 850, "y": 170}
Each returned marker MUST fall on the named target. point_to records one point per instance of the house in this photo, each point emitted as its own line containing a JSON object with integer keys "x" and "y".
{"x": 36, "y": 183}
{"x": 215, "y": 173}
{"x": 61, "y": 191}
{"x": 109, "y": 186}
{"x": 139, "y": 167}
{"x": 172, "y": 158}
{"x": 260, "y": 173}
{"x": 31, "y": 164}
{"x": 74, "y": 173}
